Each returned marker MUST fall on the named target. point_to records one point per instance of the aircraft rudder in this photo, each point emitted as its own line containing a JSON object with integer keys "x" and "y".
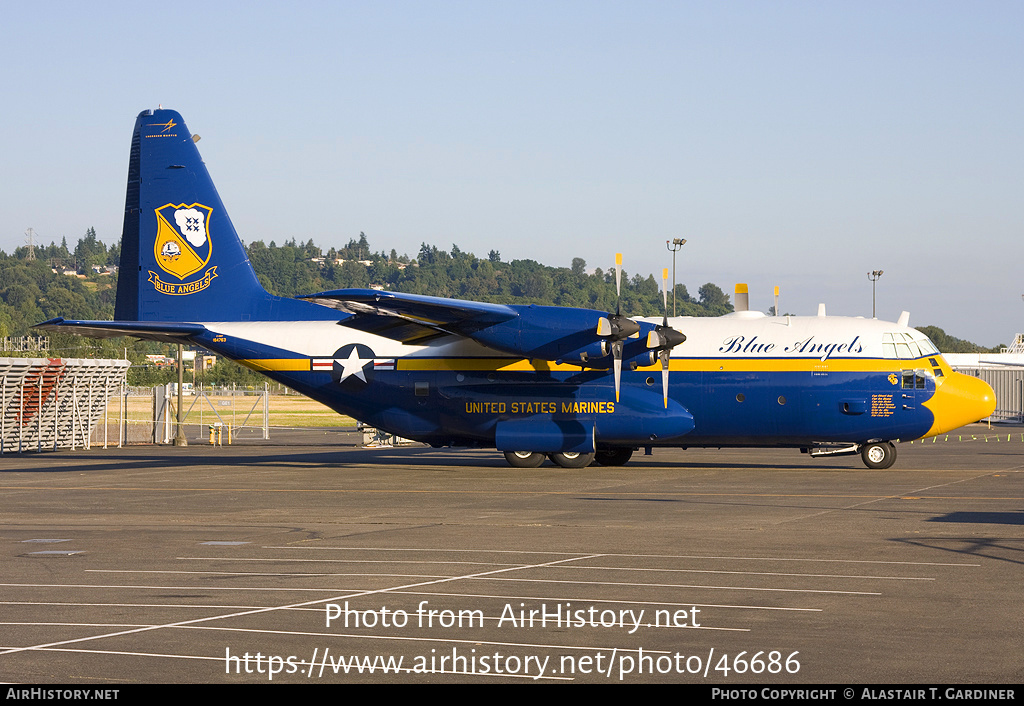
{"x": 181, "y": 258}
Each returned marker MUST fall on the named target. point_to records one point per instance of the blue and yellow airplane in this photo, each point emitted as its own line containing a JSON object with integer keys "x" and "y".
{"x": 572, "y": 385}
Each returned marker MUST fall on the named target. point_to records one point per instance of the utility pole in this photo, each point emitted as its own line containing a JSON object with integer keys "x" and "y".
{"x": 873, "y": 276}
{"x": 179, "y": 436}
{"x": 675, "y": 245}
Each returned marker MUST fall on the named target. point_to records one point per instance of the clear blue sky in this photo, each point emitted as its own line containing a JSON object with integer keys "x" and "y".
{"x": 792, "y": 143}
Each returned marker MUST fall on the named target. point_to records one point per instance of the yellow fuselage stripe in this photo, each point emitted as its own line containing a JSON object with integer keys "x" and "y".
{"x": 282, "y": 364}
{"x": 743, "y": 365}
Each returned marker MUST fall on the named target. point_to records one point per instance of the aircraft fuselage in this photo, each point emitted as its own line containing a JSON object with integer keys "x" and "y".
{"x": 744, "y": 380}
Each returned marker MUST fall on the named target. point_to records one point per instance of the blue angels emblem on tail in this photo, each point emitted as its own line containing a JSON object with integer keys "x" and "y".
{"x": 182, "y": 247}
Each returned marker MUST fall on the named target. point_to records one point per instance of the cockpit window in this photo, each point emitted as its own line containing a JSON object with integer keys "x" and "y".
{"x": 905, "y": 346}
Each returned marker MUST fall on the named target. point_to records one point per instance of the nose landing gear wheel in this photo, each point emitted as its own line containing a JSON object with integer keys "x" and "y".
{"x": 524, "y": 459}
{"x": 572, "y": 459}
{"x": 879, "y": 455}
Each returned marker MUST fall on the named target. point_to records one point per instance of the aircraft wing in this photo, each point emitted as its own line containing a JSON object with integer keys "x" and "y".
{"x": 411, "y": 318}
{"x": 167, "y": 331}
{"x": 584, "y": 337}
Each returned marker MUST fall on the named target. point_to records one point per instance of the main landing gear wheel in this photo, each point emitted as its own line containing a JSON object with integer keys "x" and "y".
{"x": 880, "y": 454}
{"x": 613, "y": 457}
{"x": 524, "y": 459}
{"x": 572, "y": 459}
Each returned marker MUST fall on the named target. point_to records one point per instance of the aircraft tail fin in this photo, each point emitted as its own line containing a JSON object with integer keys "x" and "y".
{"x": 181, "y": 259}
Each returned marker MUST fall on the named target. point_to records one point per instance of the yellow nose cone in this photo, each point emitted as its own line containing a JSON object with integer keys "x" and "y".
{"x": 959, "y": 399}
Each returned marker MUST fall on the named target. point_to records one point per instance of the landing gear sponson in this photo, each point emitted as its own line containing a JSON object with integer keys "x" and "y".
{"x": 569, "y": 459}
{"x": 875, "y": 454}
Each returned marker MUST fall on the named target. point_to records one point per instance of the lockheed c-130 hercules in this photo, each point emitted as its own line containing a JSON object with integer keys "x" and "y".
{"x": 573, "y": 385}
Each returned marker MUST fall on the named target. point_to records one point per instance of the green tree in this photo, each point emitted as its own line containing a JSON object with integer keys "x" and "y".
{"x": 713, "y": 300}
{"x": 90, "y": 251}
{"x": 949, "y": 344}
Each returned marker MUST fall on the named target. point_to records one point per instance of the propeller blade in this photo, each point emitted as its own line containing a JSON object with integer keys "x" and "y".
{"x": 618, "y": 281}
{"x": 617, "y": 365}
{"x": 664, "y": 355}
{"x": 617, "y": 328}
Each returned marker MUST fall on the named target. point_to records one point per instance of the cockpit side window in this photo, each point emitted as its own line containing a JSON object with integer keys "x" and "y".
{"x": 915, "y": 379}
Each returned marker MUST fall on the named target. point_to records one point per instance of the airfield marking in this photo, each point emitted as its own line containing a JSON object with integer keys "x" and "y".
{"x": 525, "y": 491}
{"x": 345, "y": 561}
{"x": 404, "y": 561}
{"x": 207, "y": 606}
{"x": 641, "y": 556}
{"x": 195, "y": 624}
{"x": 610, "y": 600}
{"x": 495, "y": 618}
{"x": 677, "y": 585}
{"x": 190, "y": 588}
{"x": 441, "y": 551}
{"x": 399, "y": 638}
{"x": 469, "y": 641}
{"x": 591, "y": 568}
{"x": 255, "y": 573}
{"x": 569, "y": 561}
{"x": 221, "y": 660}
{"x": 902, "y": 496}
{"x": 264, "y": 610}
{"x": 755, "y": 573}
{"x": 79, "y": 604}
{"x": 131, "y": 654}
{"x": 401, "y": 590}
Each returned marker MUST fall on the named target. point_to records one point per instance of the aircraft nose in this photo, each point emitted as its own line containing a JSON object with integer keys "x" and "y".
{"x": 959, "y": 399}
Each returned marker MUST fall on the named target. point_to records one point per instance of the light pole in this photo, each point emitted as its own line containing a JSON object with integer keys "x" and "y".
{"x": 873, "y": 276}
{"x": 675, "y": 245}
{"x": 179, "y": 435}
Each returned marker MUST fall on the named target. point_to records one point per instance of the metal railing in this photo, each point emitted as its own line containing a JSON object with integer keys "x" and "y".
{"x": 53, "y": 403}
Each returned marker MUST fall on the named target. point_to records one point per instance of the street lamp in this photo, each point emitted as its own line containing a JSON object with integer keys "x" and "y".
{"x": 873, "y": 276}
{"x": 675, "y": 245}
{"x": 179, "y": 435}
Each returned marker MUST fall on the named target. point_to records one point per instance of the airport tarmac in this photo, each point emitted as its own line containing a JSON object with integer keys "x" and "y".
{"x": 154, "y": 564}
